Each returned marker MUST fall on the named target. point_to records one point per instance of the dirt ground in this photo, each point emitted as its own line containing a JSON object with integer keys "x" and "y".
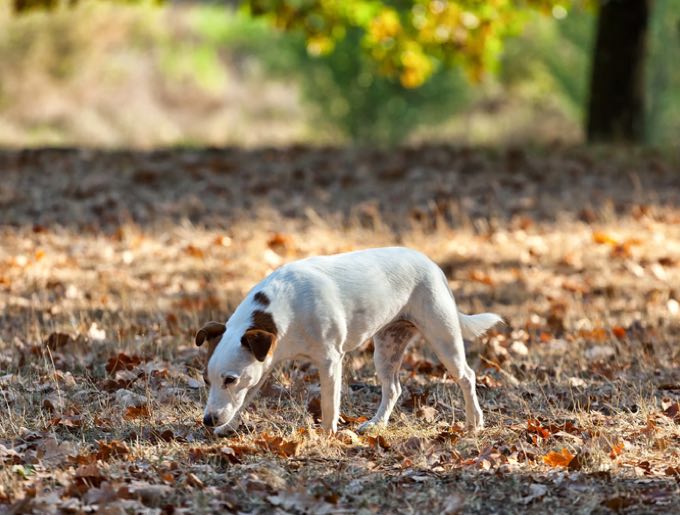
{"x": 110, "y": 261}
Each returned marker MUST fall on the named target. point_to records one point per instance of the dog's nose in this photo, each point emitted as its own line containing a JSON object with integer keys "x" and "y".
{"x": 209, "y": 420}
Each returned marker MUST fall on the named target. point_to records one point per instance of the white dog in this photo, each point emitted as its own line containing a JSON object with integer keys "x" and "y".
{"x": 323, "y": 307}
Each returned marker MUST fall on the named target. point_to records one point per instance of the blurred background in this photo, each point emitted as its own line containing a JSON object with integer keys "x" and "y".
{"x": 192, "y": 73}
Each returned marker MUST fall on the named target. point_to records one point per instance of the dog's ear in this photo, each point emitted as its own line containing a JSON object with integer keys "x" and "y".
{"x": 258, "y": 342}
{"x": 209, "y": 331}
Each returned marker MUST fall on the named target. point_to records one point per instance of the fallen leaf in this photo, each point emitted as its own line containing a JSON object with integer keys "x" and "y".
{"x": 619, "y": 332}
{"x": 194, "y": 251}
{"x": 277, "y": 445}
{"x": 481, "y": 277}
{"x": 349, "y": 419}
{"x": 558, "y": 459}
{"x": 534, "y": 426}
{"x": 377, "y": 442}
{"x": 673, "y": 412}
{"x": 488, "y": 381}
{"x": 604, "y": 238}
{"x": 58, "y": 340}
{"x": 347, "y": 437}
{"x": 618, "y": 503}
{"x": 122, "y": 361}
{"x": 616, "y": 449}
{"x": 133, "y": 412}
{"x": 111, "y": 449}
{"x": 85, "y": 477}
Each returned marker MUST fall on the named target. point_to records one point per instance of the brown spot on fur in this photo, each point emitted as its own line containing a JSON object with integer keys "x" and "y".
{"x": 263, "y": 321}
{"x": 259, "y": 342}
{"x": 393, "y": 340}
{"x": 260, "y": 337}
{"x": 262, "y": 298}
{"x": 399, "y": 331}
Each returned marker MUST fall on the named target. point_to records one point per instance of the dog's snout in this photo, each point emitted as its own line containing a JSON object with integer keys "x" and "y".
{"x": 209, "y": 420}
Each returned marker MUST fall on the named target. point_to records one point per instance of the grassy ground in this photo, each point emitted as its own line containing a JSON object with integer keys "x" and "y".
{"x": 109, "y": 263}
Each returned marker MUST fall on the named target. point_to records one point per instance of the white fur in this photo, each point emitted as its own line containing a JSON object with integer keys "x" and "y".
{"x": 326, "y": 306}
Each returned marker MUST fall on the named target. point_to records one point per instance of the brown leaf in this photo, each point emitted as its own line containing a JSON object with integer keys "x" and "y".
{"x": 53, "y": 403}
{"x": 193, "y": 251}
{"x": 673, "y": 412}
{"x": 230, "y": 454}
{"x": 558, "y": 459}
{"x": 617, "y": 449}
{"x": 67, "y": 421}
{"x": 122, "y": 362}
{"x": 452, "y": 434}
{"x": 276, "y": 444}
{"x": 133, "y": 412}
{"x": 58, "y": 340}
{"x": 619, "y": 332}
{"x": 603, "y": 238}
{"x": 86, "y": 477}
{"x": 377, "y": 442}
{"x": 111, "y": 449}
{"x": 481, "y": 277}
{"x": 534, "y": 426}
{"x": 347, "y": 437}
{"x": 488, "y": 381}
{"x": 618, "y": 503}
{"x": 349, "y": 419}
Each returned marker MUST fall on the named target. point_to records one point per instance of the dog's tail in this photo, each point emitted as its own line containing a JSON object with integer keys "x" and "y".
{"x": 476, "y": 325}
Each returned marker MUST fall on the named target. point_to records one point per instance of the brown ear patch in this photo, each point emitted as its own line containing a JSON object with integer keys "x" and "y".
{"x": 261, "y": 298}
{"x": 263, "y": 321}
{"x": 259, "y": 342}
{"x": 212, "y": 332}
{"x": 209, "y": 331}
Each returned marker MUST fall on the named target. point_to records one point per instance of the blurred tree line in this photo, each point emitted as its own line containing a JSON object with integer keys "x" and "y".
{"x": 384, "y": 67}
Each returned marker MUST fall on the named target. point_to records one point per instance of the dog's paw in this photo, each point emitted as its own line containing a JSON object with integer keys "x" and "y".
{"x": 369, "y": 426}
{"x": 226, "y": 429}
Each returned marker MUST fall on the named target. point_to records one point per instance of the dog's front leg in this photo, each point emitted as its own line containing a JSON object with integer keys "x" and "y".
{"x": 330, "y": 373}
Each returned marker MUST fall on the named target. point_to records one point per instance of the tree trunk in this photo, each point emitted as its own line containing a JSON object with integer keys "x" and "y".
{"x": 617, "y": 89}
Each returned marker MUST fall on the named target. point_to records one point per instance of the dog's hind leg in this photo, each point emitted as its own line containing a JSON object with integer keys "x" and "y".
{"x": 390, "y": 344}
{"x": 443, "y": 332}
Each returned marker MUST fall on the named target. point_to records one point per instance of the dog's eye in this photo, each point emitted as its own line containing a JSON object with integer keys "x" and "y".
{"x": 229, "y": 380}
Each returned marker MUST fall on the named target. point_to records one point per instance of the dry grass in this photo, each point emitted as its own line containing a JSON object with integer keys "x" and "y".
{"x": 130, "y": 76}
{"x": 129, "y": 253}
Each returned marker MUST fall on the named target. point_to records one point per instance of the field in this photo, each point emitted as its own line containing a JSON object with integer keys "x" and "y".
{"x": 110, "y": 261}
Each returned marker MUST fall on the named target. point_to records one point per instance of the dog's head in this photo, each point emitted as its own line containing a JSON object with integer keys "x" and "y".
{"x": 239, "y": 355}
